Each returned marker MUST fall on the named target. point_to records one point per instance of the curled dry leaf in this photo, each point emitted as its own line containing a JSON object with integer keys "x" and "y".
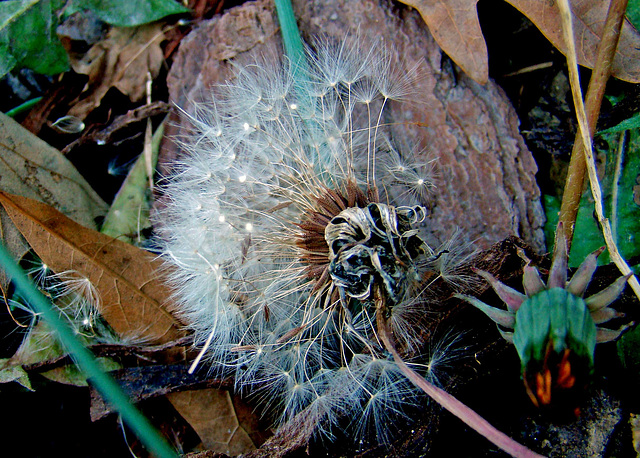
{"x": 122, "y": 61}
{"x": 455, "y": 26}
{"x": 133, "y": 299}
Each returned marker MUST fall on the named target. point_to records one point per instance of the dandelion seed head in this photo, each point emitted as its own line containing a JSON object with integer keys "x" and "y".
{"x": 308, "y": 211}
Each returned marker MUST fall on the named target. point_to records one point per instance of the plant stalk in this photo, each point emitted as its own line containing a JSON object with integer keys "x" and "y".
{"x": 587, "y": 143}
{"x": 446, "y": 400}
{"x": 574, "y": 184}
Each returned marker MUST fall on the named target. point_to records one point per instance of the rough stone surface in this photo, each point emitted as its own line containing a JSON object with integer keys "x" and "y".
{"x": 485, "y": 174}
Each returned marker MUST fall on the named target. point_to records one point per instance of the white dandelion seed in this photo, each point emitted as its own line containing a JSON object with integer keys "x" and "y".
{"x": 303, "y": 214}
{"x": 74, "y": 298}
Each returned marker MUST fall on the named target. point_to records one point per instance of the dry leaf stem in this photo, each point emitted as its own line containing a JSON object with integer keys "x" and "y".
{"x": 444, "y": 399}
{"x": 585, "y": 138}
{"x": 574, "y": 184}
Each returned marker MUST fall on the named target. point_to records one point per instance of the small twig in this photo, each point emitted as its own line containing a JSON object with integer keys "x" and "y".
{"x": 449, "y": 402}
{"x": 103, "y": 137}
{"x": 529, "y": 69}
{"x": 147, "y": 382}
{"x": 577, "y": 166}
{"x": 109, "y": 350}
{"x": 585, "y": 139}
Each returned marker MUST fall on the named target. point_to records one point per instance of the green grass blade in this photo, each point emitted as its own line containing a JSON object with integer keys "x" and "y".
{"x": 107, "y": 387}
{"x": 290, "y": 33}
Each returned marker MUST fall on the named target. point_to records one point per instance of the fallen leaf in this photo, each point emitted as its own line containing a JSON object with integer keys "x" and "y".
{"x": 41, "y": 345}
{"x": 634, "y": 421}
{"x": 9, "y": 373}
{"x": 455, "y": 26}
{"x": 588, "y": 22}
{"x": 129, "y": 212}
{"x": 133, "y": 298}
{"x": 212, "y": 414}
{"x": 122, "y": 61}
{"x": 30, "y": 167}
{"x": 148, "y": 382}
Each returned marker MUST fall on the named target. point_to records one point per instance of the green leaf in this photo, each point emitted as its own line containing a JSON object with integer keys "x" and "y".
{"x": 127, "y": 13}
{"x": 7, "y": 61}
{"x": 587, "y": 234}
{"x": 70, "y": 374}
{"x": 11, "y": 373}
{"x": 628, "y": 347}
{"x": 129, "y": 213}
{"x": 28, "y": 36}
{"x": 631, "y": 123}
{"x": 41, "y": 344}
{"x": 624, "y": 217}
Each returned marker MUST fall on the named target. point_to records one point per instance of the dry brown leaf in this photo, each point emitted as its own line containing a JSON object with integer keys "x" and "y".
{"x": 454, "y": 25}
{"x": 122, "y": 61}
{"x": 588, "y": 22}
{"x": 212, "y": 414}
{"x": 32, "y": 168}
{"x": 126, "y": 278}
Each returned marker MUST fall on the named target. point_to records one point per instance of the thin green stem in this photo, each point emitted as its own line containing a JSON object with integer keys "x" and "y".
{"x": 23, "y": 107}
{"x": 107, "y": 387}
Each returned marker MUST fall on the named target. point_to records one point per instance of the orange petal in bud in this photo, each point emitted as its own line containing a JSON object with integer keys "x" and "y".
{"x": 543, "y": 387}
{"x": 565, "y": 378}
